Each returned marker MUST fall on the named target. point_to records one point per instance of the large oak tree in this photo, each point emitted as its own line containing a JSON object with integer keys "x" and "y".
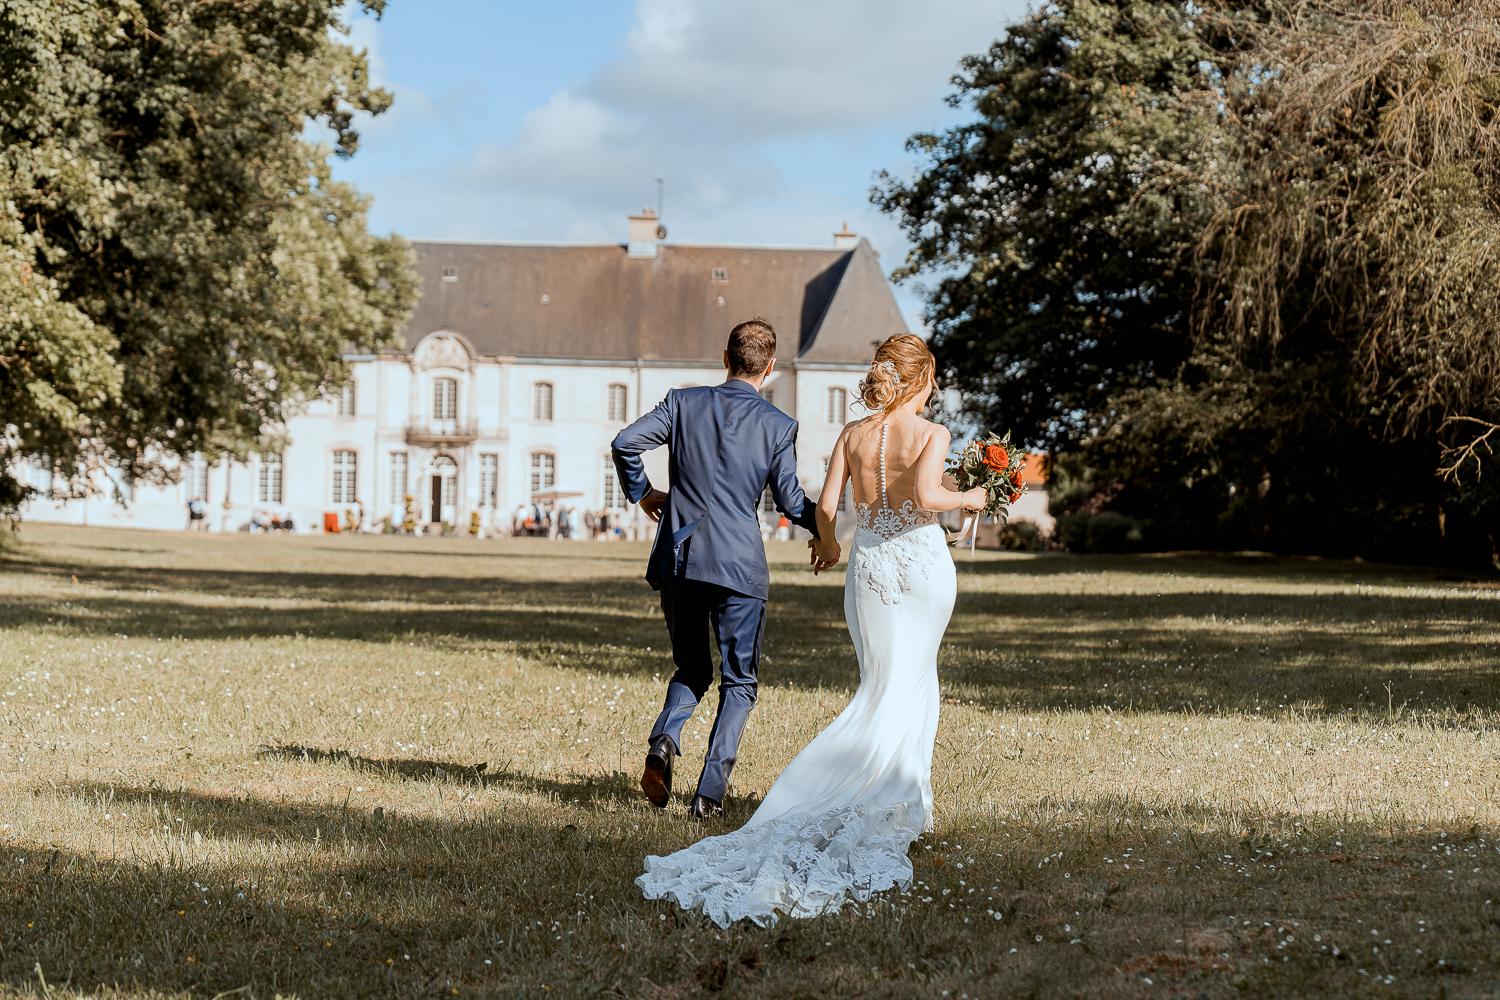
{"x": 178, "y": 271}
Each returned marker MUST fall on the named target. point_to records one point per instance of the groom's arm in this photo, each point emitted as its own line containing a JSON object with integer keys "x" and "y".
{"x": 651, "y": 431}
{"x": 786, "y": 490}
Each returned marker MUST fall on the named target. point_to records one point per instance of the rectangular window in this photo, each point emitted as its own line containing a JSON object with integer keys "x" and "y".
{"x": 197, "y": 477}
{"x": 489, "y": 481}
{"x": 450, "y": 491}
{"x": 617, "y": 400}
{"x": 398, "y": 479}
{"x": 838, "y": 406}
{"x": 541, "y": 401}
{"x": 767, "y": 502}
{"x": 543, "y": 471}
{"x": 268, "y": 480}
{"x": 344, "y": 403}
{"x": 844, "y": 496}
{"x": 444, "y": 399}
{"x": 613, "y": 496}
{"x": 721, "y": 276}
{"x": 769, "y": 395}
{"x": 344, "y": 477}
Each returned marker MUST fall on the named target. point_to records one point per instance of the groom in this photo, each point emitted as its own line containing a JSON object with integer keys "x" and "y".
{"x": 725, "y": 446}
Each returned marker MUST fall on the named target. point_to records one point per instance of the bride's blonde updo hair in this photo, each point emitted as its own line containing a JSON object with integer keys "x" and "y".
{"x": 903, "y": 367}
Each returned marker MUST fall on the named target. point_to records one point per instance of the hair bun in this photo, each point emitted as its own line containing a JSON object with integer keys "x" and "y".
{"x": 902, "y": 367}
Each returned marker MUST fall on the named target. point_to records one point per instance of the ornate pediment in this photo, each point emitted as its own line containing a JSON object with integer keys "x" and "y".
{"x": 443, "y": 350}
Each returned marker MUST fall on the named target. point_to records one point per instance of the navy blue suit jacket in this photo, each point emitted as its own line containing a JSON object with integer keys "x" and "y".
{"x": 726, "y": 445}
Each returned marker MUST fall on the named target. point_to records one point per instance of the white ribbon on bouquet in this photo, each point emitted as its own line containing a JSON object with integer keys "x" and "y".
{"x": 970, "y": 530}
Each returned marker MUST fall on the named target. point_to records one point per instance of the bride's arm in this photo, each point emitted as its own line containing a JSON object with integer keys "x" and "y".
{"x": 826, "y": 548}
{"x": 931, "y": 493}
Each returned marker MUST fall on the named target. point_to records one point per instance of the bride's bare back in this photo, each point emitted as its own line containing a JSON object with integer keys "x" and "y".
{"x": 895, "y": 462}
{"x": 884, "y": 457}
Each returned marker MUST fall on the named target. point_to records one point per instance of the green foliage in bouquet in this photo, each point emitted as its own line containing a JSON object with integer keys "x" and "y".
{"x": 989, "y": 462}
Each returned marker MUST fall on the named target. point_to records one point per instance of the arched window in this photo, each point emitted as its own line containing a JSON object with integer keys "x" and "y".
{"x": 616, "y": 410}
{"x": 543, "y": 471}
{"x": 344, "y": 477}
{"x": 541, "y": 401}
{"x": 444, "y": 399}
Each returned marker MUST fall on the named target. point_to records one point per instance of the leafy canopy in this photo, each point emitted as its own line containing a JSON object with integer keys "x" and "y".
{"x": 178, "y": 272}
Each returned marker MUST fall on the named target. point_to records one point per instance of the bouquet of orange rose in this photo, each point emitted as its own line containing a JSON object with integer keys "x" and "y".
{"x": 989, "y": 462}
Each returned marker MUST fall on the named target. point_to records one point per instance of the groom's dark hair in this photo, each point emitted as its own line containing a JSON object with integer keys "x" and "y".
{"x": 752, "y": 345}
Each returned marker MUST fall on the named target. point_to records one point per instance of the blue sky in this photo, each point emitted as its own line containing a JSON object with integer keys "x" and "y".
{"x": 550, "y": 121}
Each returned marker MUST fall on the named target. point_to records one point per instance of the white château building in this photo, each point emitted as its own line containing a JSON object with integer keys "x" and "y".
{"x": 521, "y": 364}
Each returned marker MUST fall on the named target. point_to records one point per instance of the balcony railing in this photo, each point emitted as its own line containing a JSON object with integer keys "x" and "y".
{"x": 443, "y": 431}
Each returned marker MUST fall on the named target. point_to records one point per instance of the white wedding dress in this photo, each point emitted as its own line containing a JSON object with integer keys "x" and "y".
{"x": 837, "y": 823}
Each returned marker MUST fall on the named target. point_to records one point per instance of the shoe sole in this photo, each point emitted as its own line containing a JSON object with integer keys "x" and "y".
{"x": 654, "y": 784}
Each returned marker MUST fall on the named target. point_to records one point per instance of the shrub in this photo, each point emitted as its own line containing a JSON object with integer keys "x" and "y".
{"x": 1111, "y": 532}
{"x": 1072, "y": 532}
{"x": 1103, "y": 532}
{"x": 1021, "y": 536}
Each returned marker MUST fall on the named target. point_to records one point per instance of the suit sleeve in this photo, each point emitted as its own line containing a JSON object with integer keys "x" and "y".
{"x": 651, "y": 431}
{"x": 786, "y": 490}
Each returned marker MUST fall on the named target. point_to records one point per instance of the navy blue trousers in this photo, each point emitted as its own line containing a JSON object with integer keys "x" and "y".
{"x": 738, "y": 623}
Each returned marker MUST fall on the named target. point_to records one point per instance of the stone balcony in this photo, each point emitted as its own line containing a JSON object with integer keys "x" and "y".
{"x": 461, "y": 431}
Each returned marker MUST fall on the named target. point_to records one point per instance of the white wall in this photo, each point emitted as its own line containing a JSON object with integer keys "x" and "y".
{"x": 396, "y": 391}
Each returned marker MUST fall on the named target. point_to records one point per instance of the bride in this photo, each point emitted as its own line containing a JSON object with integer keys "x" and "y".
{"x": 837, "y": 823}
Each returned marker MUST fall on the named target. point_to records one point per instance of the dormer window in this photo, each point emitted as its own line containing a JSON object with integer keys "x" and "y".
{"x": 450, "y": 274}
{"x": 721, "y": 276}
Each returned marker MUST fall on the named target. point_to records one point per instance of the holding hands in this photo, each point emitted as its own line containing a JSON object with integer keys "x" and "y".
{"x": 824, "y": 554}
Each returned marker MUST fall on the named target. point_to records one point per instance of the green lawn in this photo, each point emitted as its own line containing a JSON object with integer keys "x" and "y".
{"x": 336, "y": 766}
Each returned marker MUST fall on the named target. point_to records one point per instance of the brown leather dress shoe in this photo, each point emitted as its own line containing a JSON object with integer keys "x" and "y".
{"x": 656, "y": 779}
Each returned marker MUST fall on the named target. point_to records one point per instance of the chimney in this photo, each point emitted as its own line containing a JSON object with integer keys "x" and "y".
{"x": 645, "y": 230}
{"x": 844, "y": 239}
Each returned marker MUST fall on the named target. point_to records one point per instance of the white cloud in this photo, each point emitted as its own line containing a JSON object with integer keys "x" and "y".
{"x": 767, "y": 119}
{"x": 782, "y": 68}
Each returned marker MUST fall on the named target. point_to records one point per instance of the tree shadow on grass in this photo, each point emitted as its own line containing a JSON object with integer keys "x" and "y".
{"x": 283, "y": 897}
{"x": 1318, "y": 652}
{"x": 586, "y": 789}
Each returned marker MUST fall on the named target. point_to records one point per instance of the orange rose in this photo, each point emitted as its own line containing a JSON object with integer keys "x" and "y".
{"x": 1015, "y": 496}
{"x": 996, "y": 457}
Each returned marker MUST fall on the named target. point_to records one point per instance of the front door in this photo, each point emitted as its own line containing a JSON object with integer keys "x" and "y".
{"x": 437, "y": 500}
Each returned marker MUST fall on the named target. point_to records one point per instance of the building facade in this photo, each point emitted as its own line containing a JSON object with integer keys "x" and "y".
{"x": 521, "y": 364}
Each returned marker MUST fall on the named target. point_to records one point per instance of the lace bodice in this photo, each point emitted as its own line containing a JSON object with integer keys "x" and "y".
{"x": 890, "y": 552}
{"x": 888, "y": 522}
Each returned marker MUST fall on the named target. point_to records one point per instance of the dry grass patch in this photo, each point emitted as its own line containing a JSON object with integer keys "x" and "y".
{"x": 388, "y": 766}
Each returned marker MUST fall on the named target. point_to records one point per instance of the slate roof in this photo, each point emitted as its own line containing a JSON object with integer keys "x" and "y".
{"x": 598, "y": 303}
